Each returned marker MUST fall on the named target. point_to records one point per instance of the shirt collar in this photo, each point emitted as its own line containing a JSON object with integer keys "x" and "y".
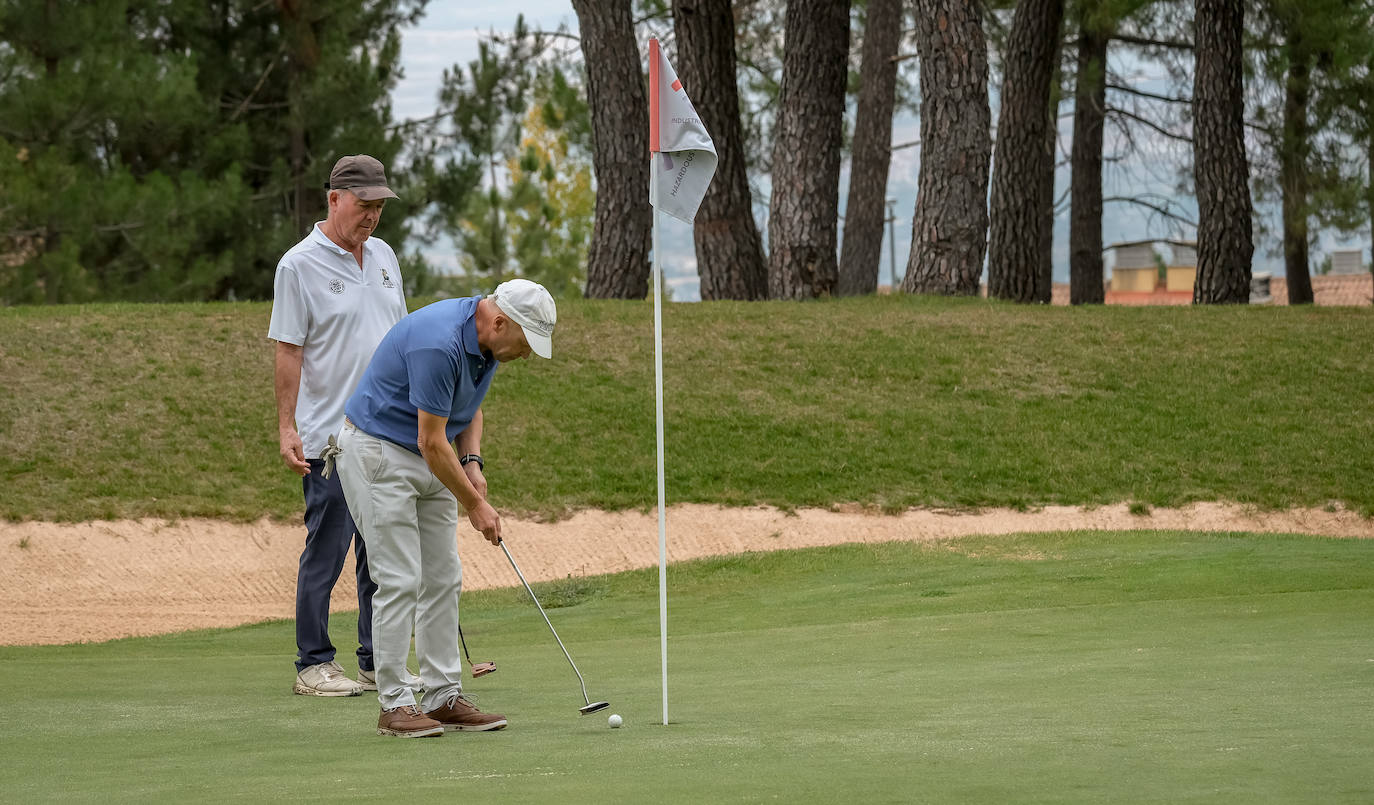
{"x": 318, "y": 235}
{"x": 470, "y": 344}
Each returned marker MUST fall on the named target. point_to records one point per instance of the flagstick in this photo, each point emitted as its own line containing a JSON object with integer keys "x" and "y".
{"x": 658, "y": 404}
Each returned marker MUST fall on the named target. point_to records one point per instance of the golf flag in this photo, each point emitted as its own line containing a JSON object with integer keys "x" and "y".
{"x": 685, "y": 157}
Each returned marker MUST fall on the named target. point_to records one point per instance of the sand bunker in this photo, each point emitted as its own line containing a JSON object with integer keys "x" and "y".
{"x": 104, "y": 580}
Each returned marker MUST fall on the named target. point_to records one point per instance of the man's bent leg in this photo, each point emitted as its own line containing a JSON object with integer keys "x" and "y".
{"x": 436, "y": 627}
{"x": 383, "y": 504}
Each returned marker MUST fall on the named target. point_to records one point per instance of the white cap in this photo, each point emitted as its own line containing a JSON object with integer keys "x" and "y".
{"x": 529, "y": 305}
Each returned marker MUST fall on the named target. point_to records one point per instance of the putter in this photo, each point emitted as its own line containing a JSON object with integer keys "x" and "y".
{"x": 591, "y": 706}
{"x": 478, "y": 668}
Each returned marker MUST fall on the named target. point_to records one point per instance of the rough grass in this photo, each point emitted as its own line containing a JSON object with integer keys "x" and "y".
{"x": 1084, "y": 667}
{"x": 132, "y": 410}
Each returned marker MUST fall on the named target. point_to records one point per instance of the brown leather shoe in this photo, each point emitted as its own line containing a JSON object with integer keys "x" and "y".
{"x": 408, "y": 722}
{"x": 459, "y": 714}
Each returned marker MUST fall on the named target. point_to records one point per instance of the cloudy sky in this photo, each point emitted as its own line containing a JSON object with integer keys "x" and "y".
{"x": 450, "y": 30}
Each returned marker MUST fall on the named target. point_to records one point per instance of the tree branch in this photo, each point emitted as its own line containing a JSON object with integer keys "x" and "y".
{"x": 1150, "y": 124}
{"x": 1161, "y": 210}
{"x": 1154, "y": 43}
{"x": 1151, "y": 95}
{"x": 551, "y": 34}
{"x": 261, "y": 80}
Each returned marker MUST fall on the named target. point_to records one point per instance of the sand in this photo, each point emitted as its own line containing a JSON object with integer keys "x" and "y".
{"x": 97, "y": 581}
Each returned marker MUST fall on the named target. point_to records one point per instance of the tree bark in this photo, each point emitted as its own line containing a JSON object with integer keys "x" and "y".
{"x": 1221, "y": 170}
{"x": 950, "y": 227}
{"x": 1293, "y": 170}
{"x": 802, "y": 220}
{"x": 1085, "y": 222}
{"x": 730, "y": 260}
{"x": 862, "y": 245}
{"x": 1015, "y": 245}
{"x": 618, "y": 258}
{"x": 1044, "y": 276}
{"x": 301, "y": 62}
{"x": 52, "y": 234}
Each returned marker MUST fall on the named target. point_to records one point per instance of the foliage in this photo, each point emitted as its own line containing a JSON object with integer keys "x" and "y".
{"x": 165, "y": 151}
{"x": 506, "y": 164}
{"x": 1332, "y": 40}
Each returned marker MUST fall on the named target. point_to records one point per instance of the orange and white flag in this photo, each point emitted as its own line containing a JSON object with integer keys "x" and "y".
{"x": 684, "y": 158}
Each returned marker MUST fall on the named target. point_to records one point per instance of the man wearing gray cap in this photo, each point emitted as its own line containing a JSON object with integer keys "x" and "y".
{"x": 404, "y": 482}
{"x": 337, "y": 292}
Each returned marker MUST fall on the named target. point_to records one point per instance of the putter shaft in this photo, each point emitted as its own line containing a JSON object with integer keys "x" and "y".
{"x": 580, "y": 681}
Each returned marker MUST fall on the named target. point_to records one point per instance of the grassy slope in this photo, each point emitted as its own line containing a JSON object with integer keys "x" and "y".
{"x": 119, "y": 410}
{"x": 1159, "y": 667}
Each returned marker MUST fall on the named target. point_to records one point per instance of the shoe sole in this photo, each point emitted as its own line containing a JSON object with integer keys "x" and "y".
{"x": 415, "y": 684}
{"x": 303, "y": 690}
{"x": 495, "y": 725}
{"x": 432, "y": 732}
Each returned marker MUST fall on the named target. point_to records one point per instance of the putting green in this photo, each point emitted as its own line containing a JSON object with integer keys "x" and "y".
{"x": 1091, "y": 667}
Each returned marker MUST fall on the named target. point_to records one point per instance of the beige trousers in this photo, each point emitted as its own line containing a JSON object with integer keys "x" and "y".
{"x": 410, "y": 520}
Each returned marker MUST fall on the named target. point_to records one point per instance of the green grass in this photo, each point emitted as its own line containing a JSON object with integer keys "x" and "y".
{"x": 130, "y": 410}
{"x": 1084, "y": 667}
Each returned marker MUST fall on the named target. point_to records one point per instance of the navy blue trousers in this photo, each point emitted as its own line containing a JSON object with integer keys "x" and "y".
{"x": 329, "y": 530}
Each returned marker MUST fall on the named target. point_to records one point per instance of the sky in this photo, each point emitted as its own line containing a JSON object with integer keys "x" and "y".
{"x": 450, "y": 30}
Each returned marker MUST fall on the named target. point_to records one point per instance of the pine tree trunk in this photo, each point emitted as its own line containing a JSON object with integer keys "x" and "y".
{"x": 1044, "y": 276}
{"x": 301, "y": 62}
{"x": 1085, "y": 222}
{"x": 730, "y": 258}
{"x": 1222, "y": 172}
{"x": 1293, "y": 172}
{"x": 52, "y": 235}
{"x": 862, "y": 245}
{"x": 950, "y": 228}
{"x": 618, "y": 259}
{"x": 1014, "y": 246}
{"x": 803, "y": 215}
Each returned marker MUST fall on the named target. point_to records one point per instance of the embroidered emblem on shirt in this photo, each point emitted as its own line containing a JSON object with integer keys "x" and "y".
{"x": 336, "y": 286}
{"x": 386, "y": 280}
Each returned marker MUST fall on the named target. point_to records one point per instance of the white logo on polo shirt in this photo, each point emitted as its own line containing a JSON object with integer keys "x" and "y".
{"x": 336, "y": 286}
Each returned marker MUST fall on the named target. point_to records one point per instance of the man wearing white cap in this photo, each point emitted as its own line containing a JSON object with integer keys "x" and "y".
{"x": 403, "y": 480}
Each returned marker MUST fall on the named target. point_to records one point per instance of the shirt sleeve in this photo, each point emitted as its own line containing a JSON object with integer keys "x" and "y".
{"x": 433, "y": 376}
{"x": 290, "y": 317}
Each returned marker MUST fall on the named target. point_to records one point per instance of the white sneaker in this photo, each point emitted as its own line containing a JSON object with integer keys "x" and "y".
{"x": 368, "y": 679}
{"x": 326, "y": 679}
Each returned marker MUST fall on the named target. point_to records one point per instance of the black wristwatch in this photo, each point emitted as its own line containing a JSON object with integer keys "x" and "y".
{"x": 471, "y": 457}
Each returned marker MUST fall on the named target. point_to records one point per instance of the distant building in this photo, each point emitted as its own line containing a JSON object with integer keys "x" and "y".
{"x": 1347, "y": 261}
{"x": 1133, "y": 267}
{"x": 1136, "y": 275}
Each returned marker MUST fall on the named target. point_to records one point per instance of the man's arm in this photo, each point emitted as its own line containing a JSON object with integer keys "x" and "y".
{"x": 287, "y": 383}
{"x": 443, "y": 462}
{"x": 470, "y": 441}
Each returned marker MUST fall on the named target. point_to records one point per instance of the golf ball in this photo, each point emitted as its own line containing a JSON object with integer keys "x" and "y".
{"x": 615, "y": 721}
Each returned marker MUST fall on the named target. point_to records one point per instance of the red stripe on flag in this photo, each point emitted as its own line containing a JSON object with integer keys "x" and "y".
{"x": 677, "y": 85}
{"x": 653, "y": 95}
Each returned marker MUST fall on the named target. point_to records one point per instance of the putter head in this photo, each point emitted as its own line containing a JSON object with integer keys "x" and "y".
{"x": 483, "y": 668}
{"x": 593, "y": 707}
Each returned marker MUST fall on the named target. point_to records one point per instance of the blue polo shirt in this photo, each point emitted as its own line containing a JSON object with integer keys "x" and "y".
{"x": 429, "y": 361}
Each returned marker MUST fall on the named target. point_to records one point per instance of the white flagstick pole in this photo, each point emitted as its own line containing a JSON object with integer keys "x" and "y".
{"x": 658, "y": 404}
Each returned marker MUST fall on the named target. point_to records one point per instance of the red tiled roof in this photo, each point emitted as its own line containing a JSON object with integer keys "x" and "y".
{"x": 1331, "y": 289}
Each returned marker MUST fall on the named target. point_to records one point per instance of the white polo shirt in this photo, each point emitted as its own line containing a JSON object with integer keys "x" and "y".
{"x": 338, "y": 312}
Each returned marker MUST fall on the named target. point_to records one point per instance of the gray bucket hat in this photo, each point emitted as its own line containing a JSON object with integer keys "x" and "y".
{"x": 361, "y": 174}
